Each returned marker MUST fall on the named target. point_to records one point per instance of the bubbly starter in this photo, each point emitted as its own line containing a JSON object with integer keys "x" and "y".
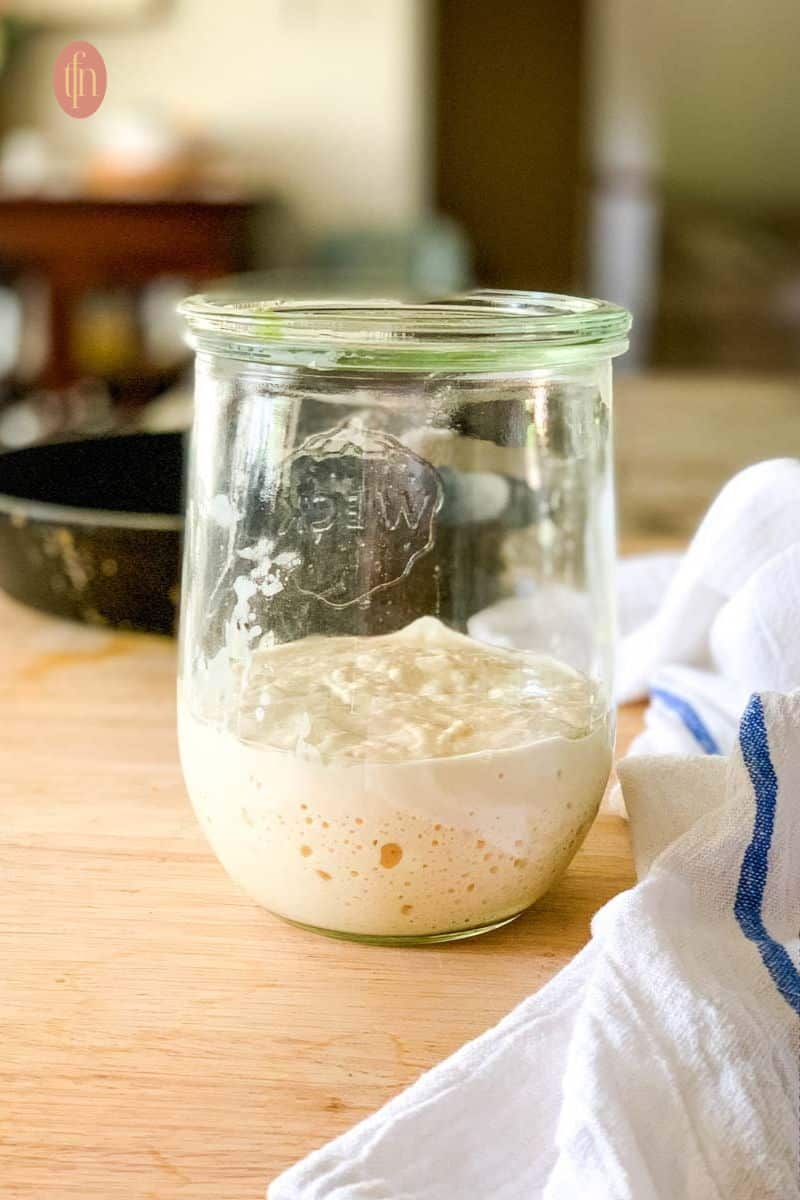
{"x": 412, "y": 784}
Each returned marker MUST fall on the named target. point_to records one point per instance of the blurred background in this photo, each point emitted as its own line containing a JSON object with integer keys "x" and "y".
{"x": 646, "y": 153}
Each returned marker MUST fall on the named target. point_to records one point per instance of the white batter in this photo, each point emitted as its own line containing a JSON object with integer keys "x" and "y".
{"x": 413, "y": 784}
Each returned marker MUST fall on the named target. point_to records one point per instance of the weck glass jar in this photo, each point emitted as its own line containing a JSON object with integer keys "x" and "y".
{"x": 397, "y": 618}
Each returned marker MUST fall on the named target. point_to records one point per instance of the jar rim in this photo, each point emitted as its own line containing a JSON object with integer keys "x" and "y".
{"x": 475, "y": 329}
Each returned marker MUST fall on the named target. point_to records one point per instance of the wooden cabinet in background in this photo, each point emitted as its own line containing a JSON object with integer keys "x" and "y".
{"x": 78, "y": 246}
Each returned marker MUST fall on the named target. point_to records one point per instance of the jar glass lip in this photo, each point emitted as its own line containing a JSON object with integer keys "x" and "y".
{"x": 482, "y": 325}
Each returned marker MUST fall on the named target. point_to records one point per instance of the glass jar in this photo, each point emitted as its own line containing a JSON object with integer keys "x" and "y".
{"x": 397, "y": 618}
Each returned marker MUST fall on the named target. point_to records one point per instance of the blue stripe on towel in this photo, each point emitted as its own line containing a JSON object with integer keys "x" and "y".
{"x": 755, "y": 864}
{"x": 690, "y": 717}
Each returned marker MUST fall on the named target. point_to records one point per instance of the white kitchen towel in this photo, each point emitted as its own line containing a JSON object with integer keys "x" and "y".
{"x": 664, "y": 1062}
{"x": 667, "y": 794}
{"x": 726, "y": 623}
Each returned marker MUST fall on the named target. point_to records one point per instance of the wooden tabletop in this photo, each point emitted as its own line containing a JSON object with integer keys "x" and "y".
{"x": 163, "y": 1038}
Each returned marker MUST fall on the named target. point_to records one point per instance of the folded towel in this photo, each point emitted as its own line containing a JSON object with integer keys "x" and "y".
{"x": 665, "y": 795}
{"x": 663, "y": 1063}
{"x": 724, "y": 623}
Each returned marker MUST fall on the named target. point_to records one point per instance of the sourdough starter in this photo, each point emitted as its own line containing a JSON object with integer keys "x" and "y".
{"x": 408, "y": 785}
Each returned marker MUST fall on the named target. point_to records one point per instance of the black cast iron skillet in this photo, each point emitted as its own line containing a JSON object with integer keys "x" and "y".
{"x": 91, "y": 529}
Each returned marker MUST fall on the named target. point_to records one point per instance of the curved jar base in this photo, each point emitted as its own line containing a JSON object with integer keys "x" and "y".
{"x": 415, "y": 939}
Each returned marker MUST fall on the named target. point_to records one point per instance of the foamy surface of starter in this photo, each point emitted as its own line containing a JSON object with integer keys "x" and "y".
{"x": 423, "y": 692}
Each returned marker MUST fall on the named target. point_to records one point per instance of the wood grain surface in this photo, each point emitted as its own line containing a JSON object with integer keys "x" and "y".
{"x": 162, "y": 1038}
